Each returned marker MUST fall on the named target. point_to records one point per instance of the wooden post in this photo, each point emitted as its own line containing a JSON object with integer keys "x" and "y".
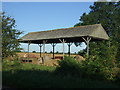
{"x": 87, "y": 42}
{"x": 69, "y": 44}
{"x": 40, "y": 45}
{"x": 53, "y": 44}
{"x": 43, "y": 47}
{"x": 63, "y": 41}
{"x": 28, "y": 48}
{"x": 40, "y": 50}
{"x": 44, "y": 42}
{"x": 87, "y": 48}
{"x": 63, "y": 48}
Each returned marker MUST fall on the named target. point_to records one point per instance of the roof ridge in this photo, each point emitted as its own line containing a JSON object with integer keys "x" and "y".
{"x": 62, "y": 29}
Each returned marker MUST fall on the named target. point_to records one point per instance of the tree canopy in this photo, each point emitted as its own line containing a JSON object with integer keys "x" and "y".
{"x": 108, "y": 15}
{"x": 10, "y": 36}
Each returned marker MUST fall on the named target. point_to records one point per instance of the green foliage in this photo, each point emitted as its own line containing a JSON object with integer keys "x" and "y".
{"x": 68, "y": 66}
{"x": 102, "y": 50}
{"x": 97, "y": 69}
{"x": 118, "y": 54}
{"x": 11, "y": 64}
{"x": 57, "y": 52}
{"x": 43, "y": 77}
{"x": 106, "y": 14}
{"x": 34, "y": 51}
{"x": 82, "y": 52}
{"x": 103, "y": 62}
{"x": 51, "y": 52}
{"x": 78, "y": 44}
{"x": 10, "y": 36}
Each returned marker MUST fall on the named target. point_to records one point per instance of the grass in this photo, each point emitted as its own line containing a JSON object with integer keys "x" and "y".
{"x": 37, "y": 76}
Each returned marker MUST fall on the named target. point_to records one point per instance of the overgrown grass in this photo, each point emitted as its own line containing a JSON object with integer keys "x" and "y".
{"x": 37, "y": 76}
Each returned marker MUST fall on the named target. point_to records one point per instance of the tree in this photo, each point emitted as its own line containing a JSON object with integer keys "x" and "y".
{"x": 106, "y": 14}
{"x": 10, "y": 36}
{"x": 51, "y": 52}
{"x": 34, "y": 51}
{"x": 82, "y": 52}
{"x": 57, "y": 52}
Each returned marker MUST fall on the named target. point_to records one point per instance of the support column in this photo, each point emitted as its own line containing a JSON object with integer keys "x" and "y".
{"x": 28, "y": 48}
{"x": 87, "y": 42}
{"x": 69, "y": 44}
{"x": 63, "y": 41}
{"x": 44, "y": 42}
{"x": 40, "y": 45}
{"x": 53, "y": 44}
{"x": 44, "y": 47}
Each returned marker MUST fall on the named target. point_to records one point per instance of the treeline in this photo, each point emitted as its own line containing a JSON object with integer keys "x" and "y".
{"x": 108, "y": 15}
{"x": 104, "y": 59}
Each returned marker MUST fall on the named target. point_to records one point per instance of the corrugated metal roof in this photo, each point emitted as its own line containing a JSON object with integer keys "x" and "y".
{"x": 95, "y": 31}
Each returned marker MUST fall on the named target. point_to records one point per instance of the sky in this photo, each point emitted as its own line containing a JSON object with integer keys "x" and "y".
{"x": 42, "y": 16}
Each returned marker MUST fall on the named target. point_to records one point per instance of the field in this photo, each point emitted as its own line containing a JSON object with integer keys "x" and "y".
{"x": 29, "y": 75}
{"x": 50, "y": 62}
{"x": 36, "y": 76}
{"x": 21, "y": 54}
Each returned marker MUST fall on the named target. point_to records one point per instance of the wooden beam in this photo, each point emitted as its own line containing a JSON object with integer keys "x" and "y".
{"x": 40, "y": 45}
{"x": 53, "y": 45}
{"x": 28, "y": 48}
{"x": 44, "y": 42}
{"x": 63, "y": 41}
{"x": 69, "y": 44}
{"x": 87, "y": 42}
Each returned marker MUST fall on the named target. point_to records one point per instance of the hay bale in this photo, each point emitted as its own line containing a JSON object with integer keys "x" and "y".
{"x": 30, "y": 55}
{"x": 46, "y": 59}
{"x": 39, "y": 61}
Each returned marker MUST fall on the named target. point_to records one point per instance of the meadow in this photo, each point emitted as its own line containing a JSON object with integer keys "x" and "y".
{"x": 17, "y": 75}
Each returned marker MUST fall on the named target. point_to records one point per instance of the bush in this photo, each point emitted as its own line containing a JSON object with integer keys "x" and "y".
{"x": 117, "y": 75}
{"x": 97, "y": 69}
{"x": 11, "y": 64}
{"x": 100, "y": 68}
{"x": 87, "y": 69}
{"x": 118, "y": 53}
{"x": 34, "y": 51}
{"x": 68, "y": 66}
{"x": 82, "y": 52}
{"x": 91, "y": 69}
{"x": 51, "y": 52}
{"x": 57, "y": 52}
